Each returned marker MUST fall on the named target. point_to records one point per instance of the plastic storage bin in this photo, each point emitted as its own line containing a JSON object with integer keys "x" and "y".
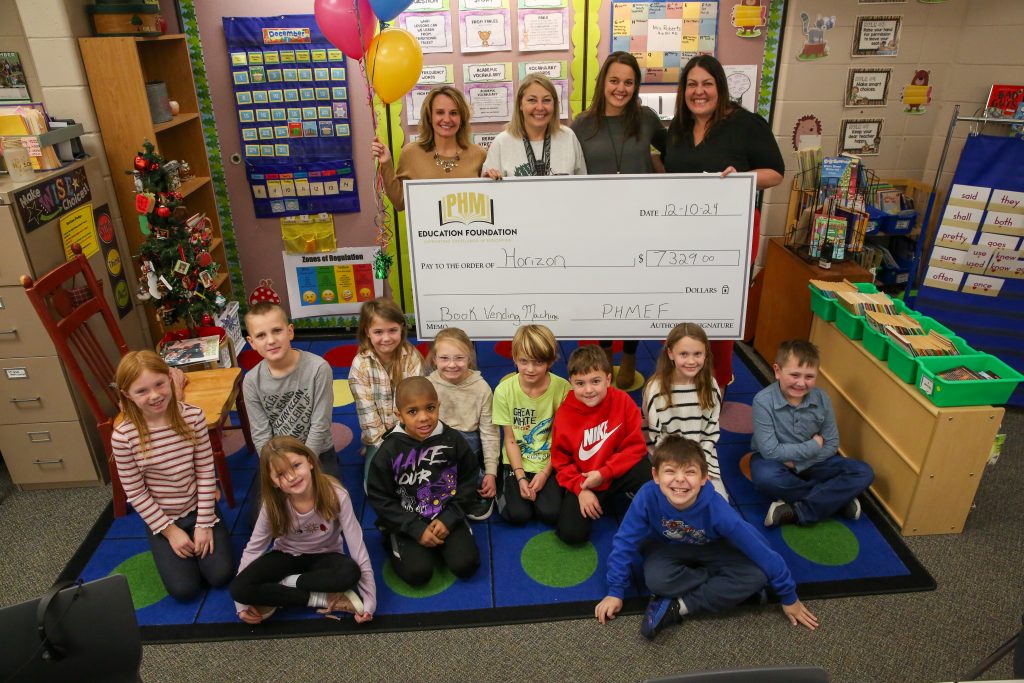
{"x": 849, "y": 324}
{"x": 905, "y": 366}
{"x": 823, "y": 307}
{"x": 949, "y": 393}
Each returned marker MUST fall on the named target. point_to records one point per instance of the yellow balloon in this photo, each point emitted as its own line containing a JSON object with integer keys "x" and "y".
{"x": 393, "y": 61}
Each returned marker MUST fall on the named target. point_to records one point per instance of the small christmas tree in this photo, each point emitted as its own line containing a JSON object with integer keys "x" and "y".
{"x": 177, "y": 271}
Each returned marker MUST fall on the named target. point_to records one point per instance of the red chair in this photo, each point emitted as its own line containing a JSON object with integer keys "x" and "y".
{"x": 65, "y": 312}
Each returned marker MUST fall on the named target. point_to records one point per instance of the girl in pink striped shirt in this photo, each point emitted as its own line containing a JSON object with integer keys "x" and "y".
{"x": 162, "y": 451}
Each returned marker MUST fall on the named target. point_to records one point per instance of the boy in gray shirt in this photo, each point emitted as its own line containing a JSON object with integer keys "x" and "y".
{"x": 290, "y": 392}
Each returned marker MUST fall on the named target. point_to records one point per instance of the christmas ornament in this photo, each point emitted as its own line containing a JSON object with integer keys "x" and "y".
{"x": 145, "y": 202}
{"x": 207, "y": 320}
{"x": 163, "y": 212}
{"x": 204, "y": 259}
{"x": 180, "y": 267}
{"x": 265, "y": 292}
{"x": 141, "y": 164}
{"x": 153, "y": 166}
{"x": 381, "y": 265}
{"x": 143, "y": 294}
{"x": 143, "y": 224}
{"x": 153, "y": 285}
{"x": 180, "y": 213}
{"x": 220, "y": 302}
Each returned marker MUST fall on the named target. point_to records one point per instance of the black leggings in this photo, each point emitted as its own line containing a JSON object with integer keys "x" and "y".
{"x": 414, "y": 563}
{"x": 628, "y": 345}
{"x": 258, "y": 583}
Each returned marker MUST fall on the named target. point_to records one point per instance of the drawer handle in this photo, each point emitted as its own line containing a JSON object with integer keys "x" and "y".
{"x": 26, "y": 400}
{"x": 48, "y": 462}
{"x": 13, "y": 330}
{"x": 40, "y": 437}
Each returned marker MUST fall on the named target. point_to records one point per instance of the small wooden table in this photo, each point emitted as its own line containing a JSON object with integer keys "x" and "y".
{"x": 785, "y": 309}
{"x": 206, "y": 391}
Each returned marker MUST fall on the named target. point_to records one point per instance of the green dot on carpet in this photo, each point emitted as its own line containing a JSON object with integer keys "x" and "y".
{"x": 439, "y": 582}
{"x": 828, "y": 543}
{"x": 550, "y": 562}
{"x": 143, "y": 579}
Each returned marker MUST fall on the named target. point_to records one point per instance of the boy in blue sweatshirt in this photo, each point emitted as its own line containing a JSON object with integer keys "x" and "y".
{"x": 703, "y": 557}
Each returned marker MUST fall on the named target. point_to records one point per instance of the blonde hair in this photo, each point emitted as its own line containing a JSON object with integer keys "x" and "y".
{"x": 453, "y": 335}
{"x": 325, "y": 498}
{"x": 425, "y": 135}
{"x": 388, "y": 310}
{"x": 131, "y": 367}
{"x": 535, "y": 342}
{"x": 665, "y": 368}
{"x": 516, "y": 126}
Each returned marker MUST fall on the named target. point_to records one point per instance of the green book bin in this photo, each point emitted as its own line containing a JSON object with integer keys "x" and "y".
{"x": 982, "y": 392}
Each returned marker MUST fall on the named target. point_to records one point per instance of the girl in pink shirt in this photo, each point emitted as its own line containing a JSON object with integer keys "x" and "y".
{"x": 305, "y": 514}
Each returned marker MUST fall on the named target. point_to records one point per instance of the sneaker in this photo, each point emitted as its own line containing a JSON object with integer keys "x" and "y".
{"x": 851, "y": 510}
{"x": 349, "y": 602}
{"x": 661, "y": 612}
{"x": 780, "y": 512}
{"x": 480, "y": 509}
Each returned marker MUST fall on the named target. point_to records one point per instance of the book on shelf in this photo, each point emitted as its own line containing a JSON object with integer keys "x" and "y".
{"x": 858, "y": 303}
{"x": 26, "y": 121}
{"x": 889, "y": 201}
{"x": 191, "y": 350}
{"x": 962, "y": 373}
{"x": 918, "y": 345}
{"x": 830, "y": 289}
{"x": 1003, "y": 100}
{"x": 900, "y": 322}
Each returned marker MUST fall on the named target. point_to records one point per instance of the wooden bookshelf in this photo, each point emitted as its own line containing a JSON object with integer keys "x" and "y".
{"x": 118, "y": 69}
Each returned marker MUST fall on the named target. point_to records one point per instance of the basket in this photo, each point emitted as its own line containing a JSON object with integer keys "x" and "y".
{"x": 823, "y": 307}
{"x": 905, "y": 366}
{"x": 849, "y": 324}
{"x": 949, "y": 393}
{"x": 902, "y": 223}
{"x": 875, "y": 342}
{"x": 904, "y": 309}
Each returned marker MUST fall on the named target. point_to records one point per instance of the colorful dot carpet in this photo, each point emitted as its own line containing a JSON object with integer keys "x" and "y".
{"x": 526, "y": 573}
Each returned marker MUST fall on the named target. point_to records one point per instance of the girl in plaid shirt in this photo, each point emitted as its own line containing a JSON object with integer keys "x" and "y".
{"x": 385, "y": 358}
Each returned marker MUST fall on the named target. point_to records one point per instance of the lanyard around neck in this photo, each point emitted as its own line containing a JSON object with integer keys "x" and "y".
{"x": 545, "y": 165}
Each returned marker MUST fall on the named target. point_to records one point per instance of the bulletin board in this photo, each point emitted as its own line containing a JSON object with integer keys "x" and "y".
{"x": 664, "y": 35}
{"x": 974, "y": 280}
{"x": 291, "y": 97}
{"x": 255, "y": 254}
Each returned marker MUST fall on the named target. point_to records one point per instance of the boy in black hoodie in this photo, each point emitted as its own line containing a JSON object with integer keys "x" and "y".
{"x": 420, "y": 482}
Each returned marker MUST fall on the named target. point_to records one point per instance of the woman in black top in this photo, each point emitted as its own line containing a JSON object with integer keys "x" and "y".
{"x": 710, "y": 134}
{"x": 615, "y": 133}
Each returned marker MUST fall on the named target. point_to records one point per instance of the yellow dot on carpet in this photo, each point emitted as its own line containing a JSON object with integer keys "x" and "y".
{"x": 342, "y": 394}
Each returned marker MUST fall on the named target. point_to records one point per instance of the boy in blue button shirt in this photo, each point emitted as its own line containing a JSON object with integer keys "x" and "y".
{"x": 796, "y": 445}
{"x": 699, "y": 554}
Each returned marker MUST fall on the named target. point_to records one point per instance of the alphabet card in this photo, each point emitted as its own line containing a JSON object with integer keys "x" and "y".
{"x": 962, "y": 217}
{"x": 1004, "y": 223}
{"x": 970, "y": 196}
{"x": 944, "y": 257}
{"x": 956, "y": 238}
{"x": 943, "y": 278}
{"x": 984, "y": 286}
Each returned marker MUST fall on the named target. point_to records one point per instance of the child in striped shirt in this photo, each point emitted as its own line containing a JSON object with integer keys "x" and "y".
{"x": 682, "y": 396}
{"x": 163, "y": 456}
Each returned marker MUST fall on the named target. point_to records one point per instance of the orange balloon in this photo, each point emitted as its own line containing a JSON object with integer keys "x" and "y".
{"x": 393, "y": 61}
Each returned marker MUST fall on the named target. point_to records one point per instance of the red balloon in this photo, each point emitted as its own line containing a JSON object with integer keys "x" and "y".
{"x": 348, "y": 24}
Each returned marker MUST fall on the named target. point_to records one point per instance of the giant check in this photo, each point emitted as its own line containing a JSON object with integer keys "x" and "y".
{"x": 591, "y": 257}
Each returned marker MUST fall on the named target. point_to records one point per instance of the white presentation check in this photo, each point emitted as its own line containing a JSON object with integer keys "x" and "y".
{"x": 591, "y": 257}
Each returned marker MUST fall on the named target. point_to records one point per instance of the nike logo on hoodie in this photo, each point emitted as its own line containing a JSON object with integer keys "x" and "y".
{"x": 593, "y": 440}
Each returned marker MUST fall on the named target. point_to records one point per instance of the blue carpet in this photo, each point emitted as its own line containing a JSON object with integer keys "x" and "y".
{"x": 526, "y": 574}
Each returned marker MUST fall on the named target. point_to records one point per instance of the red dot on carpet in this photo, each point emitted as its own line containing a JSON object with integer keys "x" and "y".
{"x": 342, "y": 436}
{"x": 736, "y": 418}
{"x": 423, "y": 348}
{"x": 504, "y": 349}
{"x": 248, "y": 359}
{"x": 341, "y": 356}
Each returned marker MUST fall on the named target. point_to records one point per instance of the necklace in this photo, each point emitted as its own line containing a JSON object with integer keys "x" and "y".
{"x": 446, "y": 164}
{"x": 622, "y": 144}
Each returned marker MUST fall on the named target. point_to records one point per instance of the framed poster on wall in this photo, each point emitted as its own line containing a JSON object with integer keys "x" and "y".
{"x": 867, "y": 88}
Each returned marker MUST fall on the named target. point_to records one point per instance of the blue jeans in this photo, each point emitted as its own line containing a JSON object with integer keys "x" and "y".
{"x": 816, "y": 493}
{"x": 712, "y": 577}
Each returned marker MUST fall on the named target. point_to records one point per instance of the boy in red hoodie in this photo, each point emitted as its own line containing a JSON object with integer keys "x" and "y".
{"x": 597, "y": 447}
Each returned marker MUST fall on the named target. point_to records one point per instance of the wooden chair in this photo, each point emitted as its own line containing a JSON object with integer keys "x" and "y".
{"x": 66, "y": 319}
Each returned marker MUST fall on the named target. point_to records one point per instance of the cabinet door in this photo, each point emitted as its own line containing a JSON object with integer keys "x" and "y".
{"x": 34, "y": 389}
{"x": 13, "y": 264}
{"x": 21, "y": 332}
{"x": 47, "y": 453}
